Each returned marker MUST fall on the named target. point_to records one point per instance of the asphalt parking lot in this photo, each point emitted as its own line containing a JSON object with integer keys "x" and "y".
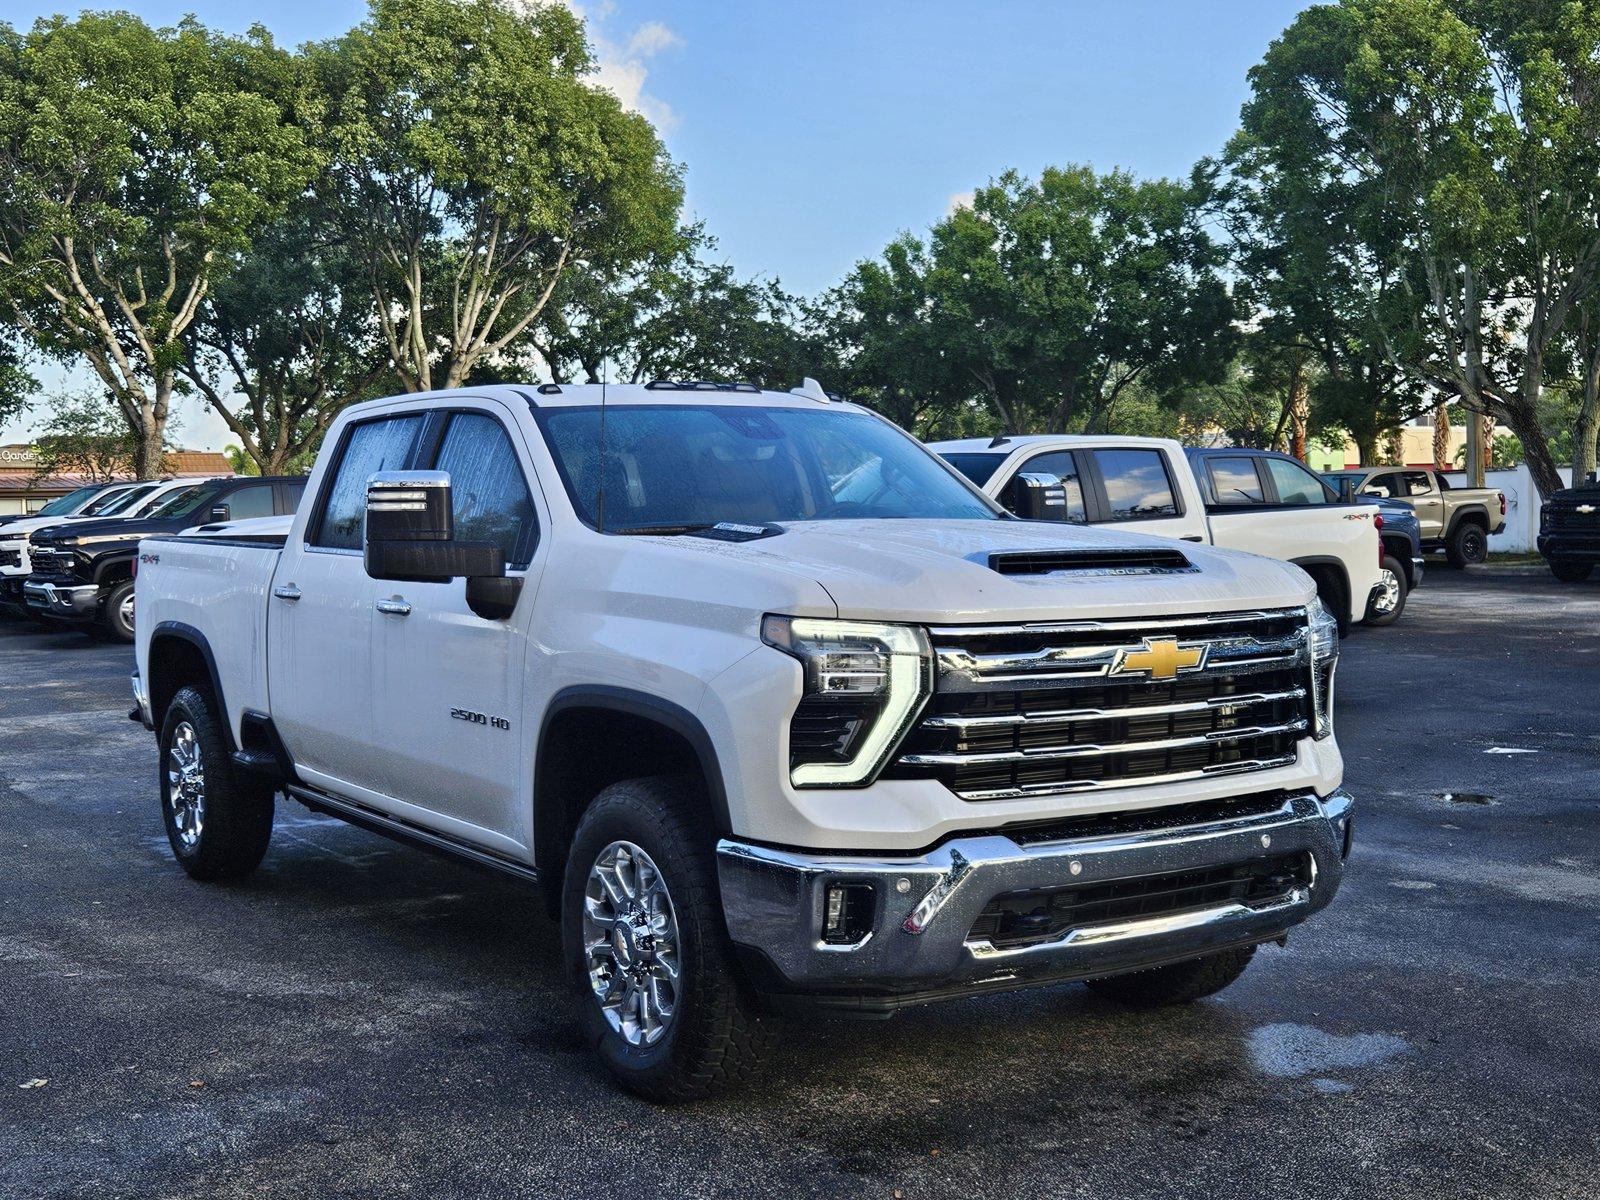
{"x": 361, "y": 1019}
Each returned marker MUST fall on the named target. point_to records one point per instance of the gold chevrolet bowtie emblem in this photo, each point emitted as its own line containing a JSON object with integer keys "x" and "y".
{"x": 1161, "y": 658}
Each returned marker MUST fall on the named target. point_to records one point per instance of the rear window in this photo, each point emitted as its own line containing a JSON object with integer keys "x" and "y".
{"x": 1235, "y": 481}
{"x": 1137, "y": 485}
{"x": 979, "y": 468}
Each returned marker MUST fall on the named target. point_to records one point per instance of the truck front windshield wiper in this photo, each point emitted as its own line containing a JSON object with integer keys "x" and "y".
{"x": 662, "y": 530}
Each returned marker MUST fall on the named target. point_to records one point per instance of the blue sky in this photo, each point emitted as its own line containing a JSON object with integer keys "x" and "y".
{"x": 811, "y": 133}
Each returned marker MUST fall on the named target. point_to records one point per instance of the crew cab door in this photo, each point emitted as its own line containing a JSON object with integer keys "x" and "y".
{"x": 1423, "y": 493}
{"x": 1114, "y": 486}
{"x": 447, "y": 685}
{"x": 320, "y": 616}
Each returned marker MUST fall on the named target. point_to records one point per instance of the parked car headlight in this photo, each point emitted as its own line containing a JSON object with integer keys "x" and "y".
{"x": 1322, "y": 635}
{"x": 864, "y": 684}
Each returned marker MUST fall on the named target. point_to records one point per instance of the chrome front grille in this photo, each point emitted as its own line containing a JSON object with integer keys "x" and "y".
{"x": 1029, "y": 710}
{"x": 46, "y": 561}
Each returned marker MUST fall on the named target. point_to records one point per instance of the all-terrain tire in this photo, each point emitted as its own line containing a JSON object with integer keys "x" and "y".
{"x": 1177, "y": 983}
{"x": 1468, "y": 545}
{"x": 716, "y": 1035}
{"x": 1389, "y": 617}
{"x": 1568, "y": 571}
{"x": 227, "y": 836}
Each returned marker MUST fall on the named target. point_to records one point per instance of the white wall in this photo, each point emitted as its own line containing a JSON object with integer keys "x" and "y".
{"x": 1522, "y": 506}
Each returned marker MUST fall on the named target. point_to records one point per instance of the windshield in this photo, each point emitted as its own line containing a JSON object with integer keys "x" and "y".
{"x": 182, "y": 502}
{"x": 105, "y": 501}
{"x": 1335, "y": 478}
{"x": 671, "y": 466}
{"x": 976, "y": 467}
{"x": 65, "y": 504}
{"x": 121, "y": 505}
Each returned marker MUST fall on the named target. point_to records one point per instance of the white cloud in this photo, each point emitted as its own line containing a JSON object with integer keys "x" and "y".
{"x": 622, "y": 70}
{"x": 958, "y": 200}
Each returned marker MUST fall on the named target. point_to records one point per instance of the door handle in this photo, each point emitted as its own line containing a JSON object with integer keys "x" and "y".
{"x": 393, "y": 608}
{"x": 287, "y": 591}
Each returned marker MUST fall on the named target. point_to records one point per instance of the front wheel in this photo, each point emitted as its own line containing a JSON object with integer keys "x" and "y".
{"x": 1468, "y": 545}
{"x": 659, "y": 996}
{"x": 1390, "y": 601}
{"x": 117, "y": 618}
{"x": 218, "y": 819}
{"x": 1178, "y": 983}
{"x": 1568, "y": 571}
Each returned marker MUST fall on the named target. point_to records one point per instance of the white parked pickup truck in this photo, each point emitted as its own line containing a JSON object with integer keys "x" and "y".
{"x": 772, "y": 705}
{"x": 1242, "y": 499}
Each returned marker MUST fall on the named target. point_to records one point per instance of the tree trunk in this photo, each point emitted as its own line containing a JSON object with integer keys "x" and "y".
{"x": 1395, "y": 448}
{"x": 1584, "y": 431}
{"x": 1488, "y": 441}
{"x": 1299, "y": 411}
{"x": 1441, "y": 436}
{"x": 1367, "y": 449}
{"x": 1523, "y": 418}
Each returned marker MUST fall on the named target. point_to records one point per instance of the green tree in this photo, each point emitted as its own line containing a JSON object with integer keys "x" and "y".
{"x": 1464, "y": 138}
{"x": 83, "y": 435}
{"x": 474, "y": 167}
{"x": 134, "y": 163}
{"x": 286, "y": 341}
{"x": 17, "y": 385}
{"x": 1058, "y": 294}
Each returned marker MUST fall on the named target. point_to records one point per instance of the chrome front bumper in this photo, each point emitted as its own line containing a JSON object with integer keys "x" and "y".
{"x": 921, "y": 944}
{"x": 71, "y": 602}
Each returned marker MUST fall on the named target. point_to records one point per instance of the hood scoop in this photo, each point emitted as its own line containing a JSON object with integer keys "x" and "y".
{"x": 1158, "y": 560}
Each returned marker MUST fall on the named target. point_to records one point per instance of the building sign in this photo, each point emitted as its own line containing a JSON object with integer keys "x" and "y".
{"x": 19, "y": 456}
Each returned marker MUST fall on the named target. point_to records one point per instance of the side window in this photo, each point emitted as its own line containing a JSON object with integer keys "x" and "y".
{"x": 382, "y": 445}
{"x": 1295, "y": 484}
{"x": 1137, "y": 484}
{"x": 1060, "y": 464}
{"x": 289, "y": 495}
{"x": 1235, "y": 481}
{"x": 1386, "y": 485}
{"x": 488, "y": 490}
{"x": 1419, "y": 483}
{"x": 253, "y": 501}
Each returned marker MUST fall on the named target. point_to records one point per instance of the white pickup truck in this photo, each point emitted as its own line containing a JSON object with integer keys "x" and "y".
{"x": 772, "y": 705}
{"x": 1251, "y": 500}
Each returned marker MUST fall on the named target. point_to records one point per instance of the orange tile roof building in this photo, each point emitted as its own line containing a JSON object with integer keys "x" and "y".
{"x": 22, "y": 489}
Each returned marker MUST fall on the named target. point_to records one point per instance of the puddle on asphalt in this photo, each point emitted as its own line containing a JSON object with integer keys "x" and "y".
{"x": 1290, "y": 1051}
{"x": 1465, "y": 797}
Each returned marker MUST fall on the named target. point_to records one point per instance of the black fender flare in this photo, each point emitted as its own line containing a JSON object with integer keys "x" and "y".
{"x": 179, "y": 631}
{"x": 1321, "y": 561}
{"x": 1399, "y": 548}
{"x": 109, "y": 563}
{"x": 672, "y": 717}
{"x": 1468, "y": 510}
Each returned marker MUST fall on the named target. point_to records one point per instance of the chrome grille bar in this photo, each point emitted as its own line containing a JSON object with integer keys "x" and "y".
{"x": 1140, "y": 625}
{"x": 1057, "y": 753}
{"x": 1095, "y": 662}
{"x": 1024, "y": 791}
{"x": 1039, "y": 720}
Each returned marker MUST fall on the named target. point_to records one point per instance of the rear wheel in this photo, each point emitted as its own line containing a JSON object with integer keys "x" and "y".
{"x": 218, "y": 819}
{"x": 1390, "y": 602}
{"x": 1179, "y": 983}
{"x": 1568, "y": 571}
{"x": 659, "y": 996}
{"x": 1468, "y": 545}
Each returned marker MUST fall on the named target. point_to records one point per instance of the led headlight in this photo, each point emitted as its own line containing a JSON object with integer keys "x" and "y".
{"x": 864, "y": 685}
{"x": 1322, "y": 636}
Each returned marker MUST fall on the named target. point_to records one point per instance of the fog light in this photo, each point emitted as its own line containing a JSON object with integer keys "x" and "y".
{"x": 847, "y": 914}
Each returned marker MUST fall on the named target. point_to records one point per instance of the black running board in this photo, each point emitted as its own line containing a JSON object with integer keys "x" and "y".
{"x": 409, "y": 834}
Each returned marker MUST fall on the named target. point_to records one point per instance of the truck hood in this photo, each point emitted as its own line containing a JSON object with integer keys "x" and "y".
{"x": 939, "y": 571}
{"x": 106, "y": 529}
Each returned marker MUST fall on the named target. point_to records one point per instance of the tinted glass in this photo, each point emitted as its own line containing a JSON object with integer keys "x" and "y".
{"x": 1061, "y": 465}
{"x": 183, "y": 501}
{"x": 65, "y": 504}
{"x": 1295, "y": 484}
{"x": 1137, "y": 485}
{"x": 1387, "y": 484}
{"x": 976, "y": 467}
{"x": 248, "y": 502}
{"x": 103, "y": 502}
{"x": 372, "y": 446}
{"x": 125, "y": 504}
{"x": 1235, "y": 481}
{"x": 675, "y": 465}
{"x": 1418, "y": 483}
{"x": 488, "y": 492}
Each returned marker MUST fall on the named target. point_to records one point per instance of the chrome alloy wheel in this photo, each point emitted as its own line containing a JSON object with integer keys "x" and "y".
{"x": 125, "y": 612}
{"x": 1389, "y": 597}
{"x": 630, "y": 943}
{"x": 186, "y": 784}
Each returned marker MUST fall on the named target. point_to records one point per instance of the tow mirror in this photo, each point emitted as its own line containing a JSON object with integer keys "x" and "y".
{"x": 1038, "y": 497}
{"x": 410, "y": 537}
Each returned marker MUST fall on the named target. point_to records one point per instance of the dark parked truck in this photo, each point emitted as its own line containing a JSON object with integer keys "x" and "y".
{"x": 83, "y": 573}
{"x": 1569, "y": 531}
{"x": 1454, "y": 519}
{"x": 772, "y": 705}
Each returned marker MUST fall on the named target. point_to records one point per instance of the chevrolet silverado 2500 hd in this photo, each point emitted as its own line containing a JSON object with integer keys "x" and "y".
{"x": 1264, "y": 503}
{"x": 95, "y": 500}
{"x": 771, "y": 704}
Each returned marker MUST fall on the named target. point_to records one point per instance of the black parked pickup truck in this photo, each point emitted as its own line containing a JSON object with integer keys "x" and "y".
{"x": 1569, "y": 531}
{"x": 83, "y": 572}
